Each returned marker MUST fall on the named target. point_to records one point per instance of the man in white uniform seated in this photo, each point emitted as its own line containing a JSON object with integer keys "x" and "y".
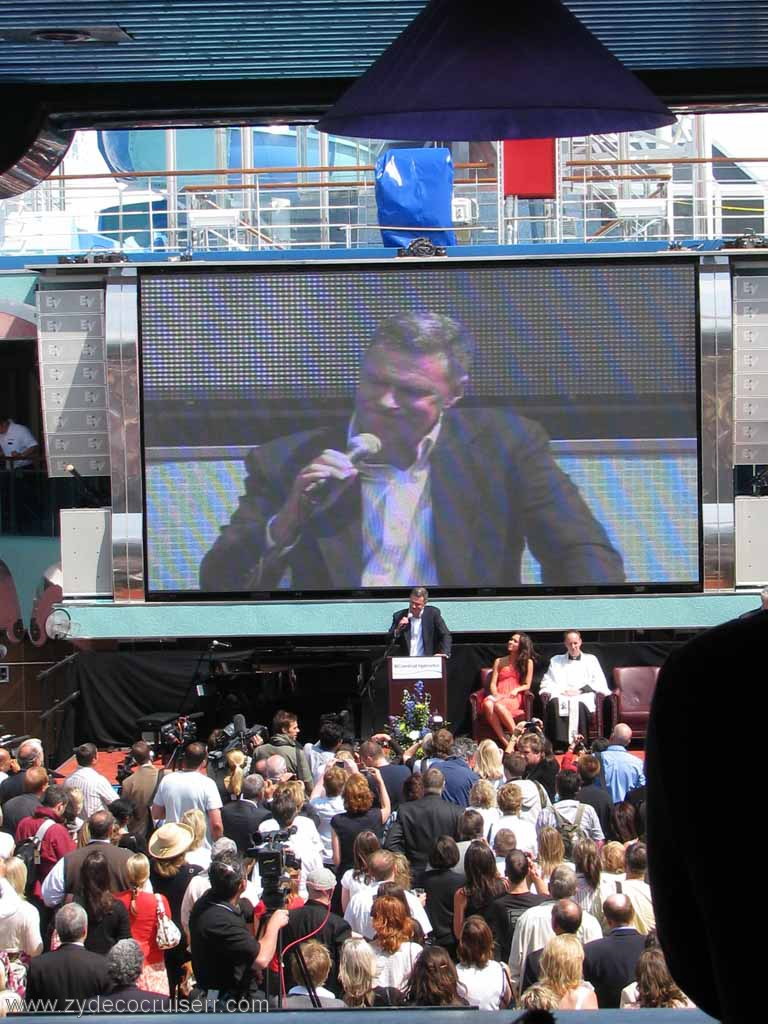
{"x": 573, "y": 682}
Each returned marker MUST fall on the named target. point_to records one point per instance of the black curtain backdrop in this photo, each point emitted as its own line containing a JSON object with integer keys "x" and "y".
{"x": 116, "y": 689}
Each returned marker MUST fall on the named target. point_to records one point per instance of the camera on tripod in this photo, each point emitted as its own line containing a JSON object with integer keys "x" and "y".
{"x": 274, "y": 857}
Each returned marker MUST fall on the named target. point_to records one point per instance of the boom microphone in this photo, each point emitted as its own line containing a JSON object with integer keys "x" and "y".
{"x": 238, "y": 721}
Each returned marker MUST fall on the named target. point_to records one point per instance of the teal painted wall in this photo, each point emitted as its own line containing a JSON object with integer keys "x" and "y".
{"x": 355, "y": 618}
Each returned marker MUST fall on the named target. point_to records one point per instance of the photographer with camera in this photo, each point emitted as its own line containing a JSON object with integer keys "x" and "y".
{"x": 225, "y": 954}
{"x": 299, "y": 837}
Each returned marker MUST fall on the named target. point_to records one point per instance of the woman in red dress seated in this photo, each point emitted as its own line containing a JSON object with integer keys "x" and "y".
{"x": 511, "y": 677}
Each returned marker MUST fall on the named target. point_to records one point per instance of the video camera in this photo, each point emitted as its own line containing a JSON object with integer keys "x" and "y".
{"x": 234, "y": 736}
{"x": 274, "y": 858}
{"x": 125, "y": 768}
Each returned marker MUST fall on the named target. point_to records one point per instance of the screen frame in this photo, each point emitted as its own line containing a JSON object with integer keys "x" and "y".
{"x": 292, "y": 265}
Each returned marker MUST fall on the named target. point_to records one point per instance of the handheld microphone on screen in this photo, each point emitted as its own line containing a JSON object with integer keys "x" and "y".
{"x": 361, "y": 448}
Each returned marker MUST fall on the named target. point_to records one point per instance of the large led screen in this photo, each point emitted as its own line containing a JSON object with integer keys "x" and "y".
{"x": 473, "y": 426}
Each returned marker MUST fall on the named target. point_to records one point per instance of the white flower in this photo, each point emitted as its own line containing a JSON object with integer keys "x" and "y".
{"x": 414, "y": 735}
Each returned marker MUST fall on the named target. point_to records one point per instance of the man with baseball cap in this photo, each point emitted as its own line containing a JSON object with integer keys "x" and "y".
{"x": 304, "y": 920}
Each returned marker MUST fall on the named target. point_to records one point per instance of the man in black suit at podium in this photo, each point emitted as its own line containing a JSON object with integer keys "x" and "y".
{"x": 420, "y": 630}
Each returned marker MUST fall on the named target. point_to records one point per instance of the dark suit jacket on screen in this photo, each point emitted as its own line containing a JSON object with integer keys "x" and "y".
{"x": 610, "y": 963}
{"x": 71, "y": 972}
{"x": 434, "y": 632}
{"x": 494, "y": 486}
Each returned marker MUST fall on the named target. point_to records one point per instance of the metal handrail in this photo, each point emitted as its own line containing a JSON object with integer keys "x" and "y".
{"x": 230, "y": 171}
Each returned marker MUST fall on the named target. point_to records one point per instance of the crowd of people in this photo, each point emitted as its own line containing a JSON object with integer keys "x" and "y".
{"x": 332, "y": 874}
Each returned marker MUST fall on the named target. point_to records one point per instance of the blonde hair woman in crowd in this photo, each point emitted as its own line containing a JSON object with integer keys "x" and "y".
{"x": 561, "y": 970}
{"x": 488, "y": 763}
{"x": 551, "y": 852}
{"x": 197, "y": 853}
{"x": 233, "y": 780}
{"x": 482, "y": 798}
{"x": 612, "y": 875}
{"x": 142, "y": 916}
{"x": 357, "y": 976}
{"x": 586, "y": 860}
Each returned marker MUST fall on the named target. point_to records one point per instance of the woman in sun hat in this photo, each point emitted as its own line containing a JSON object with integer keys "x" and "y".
{"x": 170, "y": 875}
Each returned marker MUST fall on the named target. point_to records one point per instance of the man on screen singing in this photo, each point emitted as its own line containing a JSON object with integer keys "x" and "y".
{"x": 415, "y": 489}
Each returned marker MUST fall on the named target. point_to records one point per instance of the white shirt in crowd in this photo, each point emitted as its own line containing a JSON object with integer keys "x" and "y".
{"x": 484, "y": 987}
{"x": 490, "y": 816}
{"x": 97, "y": 792}
{"x": 19, "y": 923}
{"x": 327, "y": 807}
{"x": 525, "y": 833}
{"x": 186, "y": 791}
{"x": 358, "y": 912}
{"x": 394, "y": 969}
{"x": 355, "y": 885}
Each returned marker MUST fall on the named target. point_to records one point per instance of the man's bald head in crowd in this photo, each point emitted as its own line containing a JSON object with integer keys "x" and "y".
{"x": 100, "y": 824}
{"x": 381, "y": 865}
{"x": 275, "y": 766}
{"x": 370, "y": 751}
{"x": 566, "y": 917}
{"x": 618, "y": 911}
{"x": 621, "y": 735}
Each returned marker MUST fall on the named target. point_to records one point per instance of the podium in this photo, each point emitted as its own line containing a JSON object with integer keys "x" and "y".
{"x": 404, "y": 673}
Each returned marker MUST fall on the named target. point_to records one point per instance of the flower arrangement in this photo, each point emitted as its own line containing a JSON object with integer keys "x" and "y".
{"x": 416, "y": 718}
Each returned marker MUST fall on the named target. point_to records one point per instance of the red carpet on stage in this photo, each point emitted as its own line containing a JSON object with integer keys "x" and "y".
{"x": 106, "y": 764}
